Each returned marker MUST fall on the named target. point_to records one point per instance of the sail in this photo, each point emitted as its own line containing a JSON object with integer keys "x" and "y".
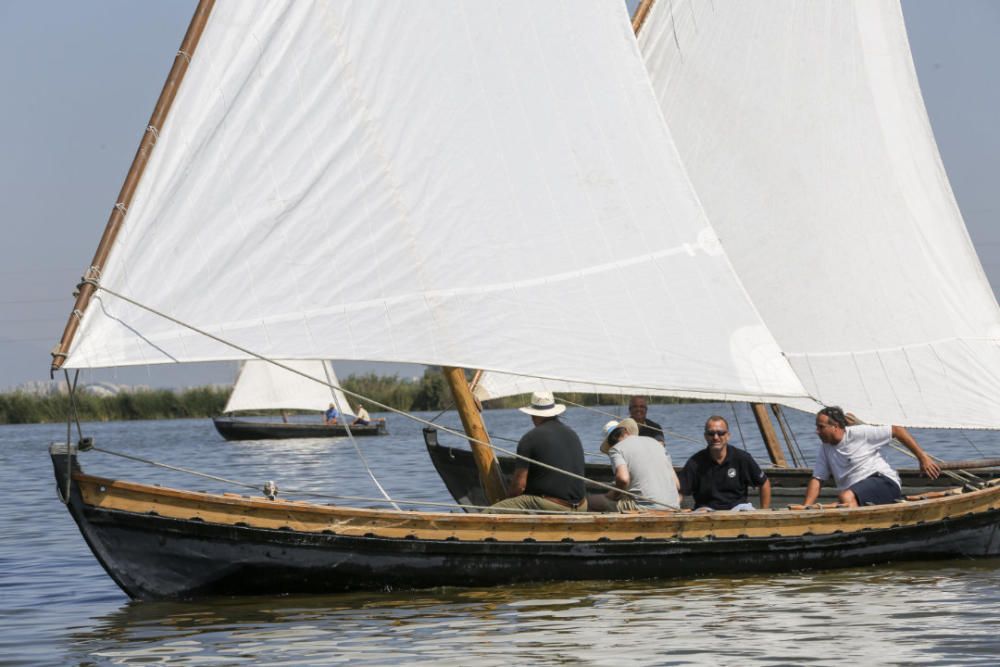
{"x": 803, "y": 130}
{"x": 482, "y": 184}
{"x": 498, "y": 385}
{"x": 264, "y": 386}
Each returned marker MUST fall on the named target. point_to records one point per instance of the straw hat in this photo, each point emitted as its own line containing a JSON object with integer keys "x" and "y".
{"x": 630, "y": 425}
{"x": 543, "y": 404}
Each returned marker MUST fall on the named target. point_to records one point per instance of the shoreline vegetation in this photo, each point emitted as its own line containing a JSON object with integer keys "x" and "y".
{"x": 429, "y": 392}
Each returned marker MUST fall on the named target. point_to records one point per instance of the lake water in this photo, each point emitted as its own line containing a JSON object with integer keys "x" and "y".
{"x": 60, "y": 608}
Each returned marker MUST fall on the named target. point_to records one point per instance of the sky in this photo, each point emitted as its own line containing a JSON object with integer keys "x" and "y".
{"x": 80, "y": 79}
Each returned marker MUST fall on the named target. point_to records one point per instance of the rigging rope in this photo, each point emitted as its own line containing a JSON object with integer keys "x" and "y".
{"x": 73, "y": 415}
{"x": 317, "y": 494}
{"x": 739, "y": 428}
{"x": 384, "y": 407}
{"x": 354, "y": 442}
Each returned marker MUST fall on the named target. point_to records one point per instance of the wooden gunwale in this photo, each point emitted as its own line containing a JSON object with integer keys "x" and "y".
{"x": 229, "y": 509}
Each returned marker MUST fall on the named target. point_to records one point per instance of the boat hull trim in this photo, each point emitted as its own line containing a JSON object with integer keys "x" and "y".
{"x": 163, "y": 543}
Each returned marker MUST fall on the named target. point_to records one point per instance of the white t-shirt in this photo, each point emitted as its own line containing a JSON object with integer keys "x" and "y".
{"x": 856, "y": 457}
{"x": 650, "y": 470}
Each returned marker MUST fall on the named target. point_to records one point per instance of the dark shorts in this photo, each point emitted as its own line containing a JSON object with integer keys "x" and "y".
{"x": 876, "y": 490}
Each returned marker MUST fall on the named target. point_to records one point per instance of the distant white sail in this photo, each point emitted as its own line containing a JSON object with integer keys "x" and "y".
{"x": 804, "y": 131}
{"x": 263, "y": 386}
{"x": 484, "y": 184}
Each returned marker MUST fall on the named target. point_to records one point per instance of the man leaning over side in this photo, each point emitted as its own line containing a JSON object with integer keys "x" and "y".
{"x": 641, "y": 466}
{"x": 851, "y": 454}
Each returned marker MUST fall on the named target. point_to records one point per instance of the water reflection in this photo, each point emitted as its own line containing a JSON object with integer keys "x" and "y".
{"x": 864, "y": 615}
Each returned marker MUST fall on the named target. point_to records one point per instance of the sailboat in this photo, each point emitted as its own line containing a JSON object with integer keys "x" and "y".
{"x": 517, "y": 166}
{"x": 264, "y": 386}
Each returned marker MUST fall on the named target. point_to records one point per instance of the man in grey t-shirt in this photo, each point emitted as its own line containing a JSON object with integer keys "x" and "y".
{"x": 641, "y": 466}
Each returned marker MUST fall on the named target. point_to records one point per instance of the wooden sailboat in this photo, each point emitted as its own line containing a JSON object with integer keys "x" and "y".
{"x": 512, "y": 164}
{"x": 264, "y": 386}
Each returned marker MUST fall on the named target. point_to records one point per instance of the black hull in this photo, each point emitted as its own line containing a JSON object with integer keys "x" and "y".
{"x": 151, "y": 556}
{"x": 241, "y": 429}
{"x": 457, "y": 470}
{"x": 154, "y": 558}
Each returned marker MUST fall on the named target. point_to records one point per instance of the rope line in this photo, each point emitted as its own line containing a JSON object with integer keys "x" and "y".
{"x": 385, "y": 407}
{"x": 317, "y": 494}
{"x": 739, "y": 428}
{"x": 350, "y": 436}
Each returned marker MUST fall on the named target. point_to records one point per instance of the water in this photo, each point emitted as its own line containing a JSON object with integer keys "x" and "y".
{"x": 60, "y": 608}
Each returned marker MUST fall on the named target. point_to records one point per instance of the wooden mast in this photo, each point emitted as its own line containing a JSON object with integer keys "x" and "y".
{"x": 770, "y": 437}
{"x": 640, "y": 15}
{"x": 486, "y": 460}
{"x": 87, "y": 289}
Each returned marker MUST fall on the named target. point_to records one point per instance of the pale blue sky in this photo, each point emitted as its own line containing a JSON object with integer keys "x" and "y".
{"x": 79, "y": 80}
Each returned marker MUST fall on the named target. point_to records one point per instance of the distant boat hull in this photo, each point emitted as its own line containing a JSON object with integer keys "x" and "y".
{"x": 244, "y": 429}
{"x": 158, "y": 543}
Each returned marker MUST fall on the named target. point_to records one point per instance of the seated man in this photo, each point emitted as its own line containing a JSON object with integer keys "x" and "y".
{"x": 535, "y": 487}
{"x": 331, "y": 415}
{"x": 851, "y": 454}
{"x": 719, "y": 477}
{"x": 641, "y": 466}
{"x": 361, "y": 418}
{"x": 637, "y": 407}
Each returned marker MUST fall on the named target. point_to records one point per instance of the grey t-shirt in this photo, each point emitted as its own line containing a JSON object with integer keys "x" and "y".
{"x": 650, "y": 470}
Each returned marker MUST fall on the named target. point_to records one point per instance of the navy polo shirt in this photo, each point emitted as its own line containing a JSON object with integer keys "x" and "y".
{"x": 720, "y": 486}
{"x": 651, "y": 429}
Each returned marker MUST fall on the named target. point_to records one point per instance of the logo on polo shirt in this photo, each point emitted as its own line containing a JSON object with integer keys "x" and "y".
{"x": 731, "y": 473}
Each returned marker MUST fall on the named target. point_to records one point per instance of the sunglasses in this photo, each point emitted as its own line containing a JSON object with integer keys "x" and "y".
{"x": 709, "y": 434}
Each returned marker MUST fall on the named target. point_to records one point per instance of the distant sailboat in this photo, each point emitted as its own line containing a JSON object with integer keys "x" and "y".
{"x": 497, "y": 185}
{"x": 265, "y": 386}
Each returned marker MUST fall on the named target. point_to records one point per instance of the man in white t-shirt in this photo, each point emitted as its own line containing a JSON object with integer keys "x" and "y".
{"x": 361, "y": 418}
{"x": 851, "y": 455}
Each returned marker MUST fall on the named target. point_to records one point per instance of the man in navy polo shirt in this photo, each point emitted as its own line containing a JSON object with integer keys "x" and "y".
{"x": 719, "y": 476}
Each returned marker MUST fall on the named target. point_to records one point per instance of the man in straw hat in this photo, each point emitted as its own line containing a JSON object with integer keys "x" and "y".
{"x": 535, "y": 487}
{"x": 641, "y": 467}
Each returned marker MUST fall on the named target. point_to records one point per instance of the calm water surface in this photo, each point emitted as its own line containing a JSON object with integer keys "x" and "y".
{"x": 60, "y": 608}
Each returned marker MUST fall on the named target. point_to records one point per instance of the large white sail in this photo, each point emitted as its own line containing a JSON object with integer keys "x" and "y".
{"x": 484, "y": 184}
{"x": 264, "y": 386}
{"x": 804, "y": 131}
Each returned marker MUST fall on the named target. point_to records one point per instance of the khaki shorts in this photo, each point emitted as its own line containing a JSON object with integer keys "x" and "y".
{"x": 529, "y": 502}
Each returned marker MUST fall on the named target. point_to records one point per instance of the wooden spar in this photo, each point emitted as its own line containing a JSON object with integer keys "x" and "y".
{"x": 641, "y": 12}
{"x": 767, "y": 432}
{"x": 973, "y": 464}
{"x": 86, "y": 290}
{"x": 776, "y": 409}
{"x": 486, "y": 461}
